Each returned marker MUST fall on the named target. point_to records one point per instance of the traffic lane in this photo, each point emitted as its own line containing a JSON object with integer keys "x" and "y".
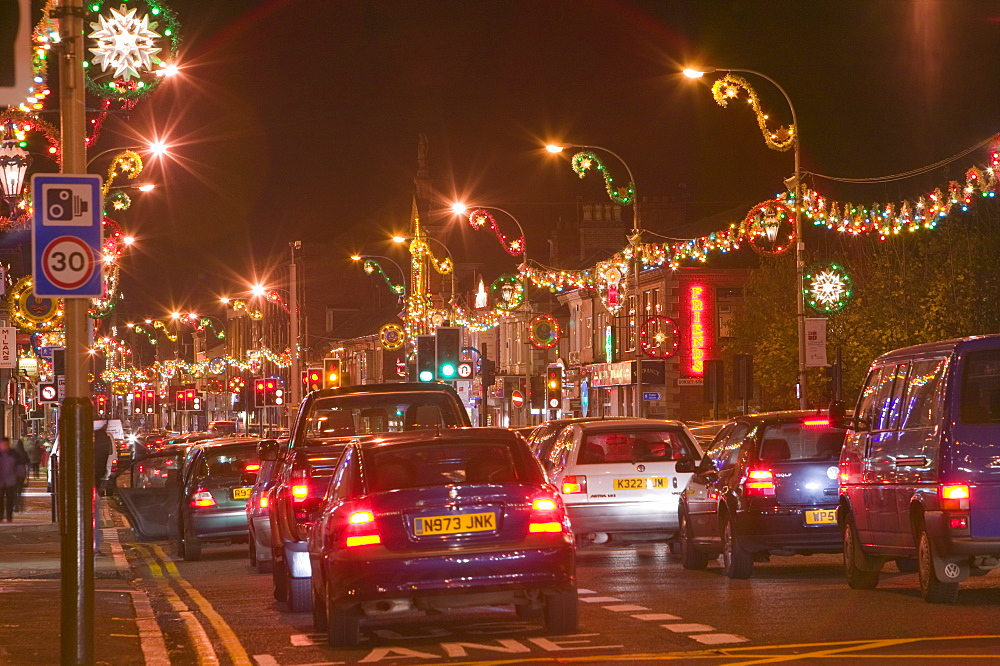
{"x": 611, "y": 631}
{"x": 790, "y": 599}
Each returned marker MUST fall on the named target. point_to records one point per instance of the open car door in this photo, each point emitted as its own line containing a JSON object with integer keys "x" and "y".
{"x": 148, "y": 490}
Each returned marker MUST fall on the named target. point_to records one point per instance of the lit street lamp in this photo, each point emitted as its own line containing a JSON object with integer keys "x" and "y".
{"x": 793, "y": 184}
{"x": 14, "y": 162}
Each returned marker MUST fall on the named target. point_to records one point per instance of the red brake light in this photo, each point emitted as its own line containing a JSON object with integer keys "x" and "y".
{"x": 263, "y": 501}
{"x": 759, "y": 482}
{"x": 202, "y": 498}
{"x": 955, "y": 492}
{"x": 816, "y": 422}
{"x": 362, "y": 520}
{"x": 572, "y": 485}
{"x": 363, "y": 540}
{"x": 544, "y": 504}
{"x": 300, "y": 492}
{"x": 361, "y": 517}
{"x": 958, "y": 522}
{"x": 546, "y": 515}
{"x": 252, "y": 467}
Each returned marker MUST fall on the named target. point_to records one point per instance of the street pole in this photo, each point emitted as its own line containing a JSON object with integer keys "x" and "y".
{"x": 76, "y": 423}
{"x": 295, "y": 381}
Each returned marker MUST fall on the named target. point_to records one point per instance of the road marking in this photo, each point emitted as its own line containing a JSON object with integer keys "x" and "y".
{"x": 718, "y": 639}
{"x": 600, "y": 600}
{"x": 687, "y": 628}
{"x": 655, "y": 617}
{"x": 625, "y": 608}
{"x": 583, "y": 591}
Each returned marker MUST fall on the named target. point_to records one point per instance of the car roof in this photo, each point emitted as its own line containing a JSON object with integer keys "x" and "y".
{"x": 444, "y": 435}
{"x": 581, "y": 419}
{"x": 398, "y": 387}
{"x": 942, "y": 346}
{"x": 227, "y": 441}
{"x": 644, "y": 424}
{"x": 787, "y": 415}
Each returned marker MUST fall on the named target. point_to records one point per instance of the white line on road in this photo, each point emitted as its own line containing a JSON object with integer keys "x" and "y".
{"x": 718, "y": 639}
{"x": 687, "y": 628}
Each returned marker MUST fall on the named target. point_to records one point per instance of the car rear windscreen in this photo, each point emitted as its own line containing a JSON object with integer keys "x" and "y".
{"x": 372, "y": 413}
{"x": 634, "y": 446}
{"x": 800, "y": 441}
{"x": 981, "y": 387}
{"x": 231, "y": 460}
{"x": 438, "y": 464}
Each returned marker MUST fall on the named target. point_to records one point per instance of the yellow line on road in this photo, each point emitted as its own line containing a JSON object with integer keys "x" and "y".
{"x": 228, "y": 637}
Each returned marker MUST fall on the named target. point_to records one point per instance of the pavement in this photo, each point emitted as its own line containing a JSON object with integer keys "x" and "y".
{"x": 31, "y": 588}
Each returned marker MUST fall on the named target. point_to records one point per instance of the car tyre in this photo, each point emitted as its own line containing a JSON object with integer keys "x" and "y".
{"x": 299, "y": 594}
{"x": 858, "y": 579}
{"x": 933, "y": 589}
{"x": 737, "y": 560}
{"x": 252, "y": 544}
{"x": 280, "y": 578}
{"x": 178, "y": 542}
{"x": 561, "y": 612}
{"x": 907, "y": 565}
{"x": 264, "y": 566}
{"x": 691, "y": 557}
{"x": 343, "y": 627}
{"x": 319, "y": 612}
{"x": 192, "y": 547}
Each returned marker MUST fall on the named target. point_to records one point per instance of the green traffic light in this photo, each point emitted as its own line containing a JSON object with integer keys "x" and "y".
{"x": 426, "y": 376}
{"x": 447, "y": 370}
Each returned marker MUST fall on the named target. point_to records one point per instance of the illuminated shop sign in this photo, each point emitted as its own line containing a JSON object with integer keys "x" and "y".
{"x": 700, "y": 326}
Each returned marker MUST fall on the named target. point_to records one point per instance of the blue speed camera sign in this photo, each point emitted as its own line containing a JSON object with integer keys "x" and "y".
{"x": 66, "y": 236}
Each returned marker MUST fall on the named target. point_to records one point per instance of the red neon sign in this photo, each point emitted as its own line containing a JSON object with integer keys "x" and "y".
{"x": 700, "y": 332}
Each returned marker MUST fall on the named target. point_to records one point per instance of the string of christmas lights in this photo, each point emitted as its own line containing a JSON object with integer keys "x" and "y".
{"x": 583, "y": 161}
{"x": 479, "y": 218}
{"x": 371, "y": 267}
{"x": 728, "y": 88}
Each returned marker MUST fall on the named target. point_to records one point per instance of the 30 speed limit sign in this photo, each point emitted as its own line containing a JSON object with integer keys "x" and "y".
{"x": 66, "y": 236}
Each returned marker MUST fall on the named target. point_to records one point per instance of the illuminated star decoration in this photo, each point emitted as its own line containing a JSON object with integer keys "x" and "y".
{"x": 829, "y": 288}
{"x": 124, "y": 43}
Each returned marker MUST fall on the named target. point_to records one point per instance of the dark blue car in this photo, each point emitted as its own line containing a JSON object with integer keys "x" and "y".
{"x": 436, "y": 520}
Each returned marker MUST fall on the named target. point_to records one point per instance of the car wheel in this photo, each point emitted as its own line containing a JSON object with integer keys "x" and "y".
{"x": 192, "y": 547}
{"x": 280, "y": 578}
{"x": 299, "y": 594}
{"x": 691, "y": 557}
{"x": 561, "y": 612}
{"x": 252, "y": 544}
{"x": 907, "y": 565}
{"x": 737, "y": 560}
{"x": 858, "y": 579}
{"x": 319, "y": 612}
{"x": 343, "y": 626}
{"x": 263, "y": 566}
{"x": 933, "y": 589}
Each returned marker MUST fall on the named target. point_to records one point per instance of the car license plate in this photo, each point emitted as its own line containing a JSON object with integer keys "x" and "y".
{"x": 455, "y": 524}
{"x": 641, "y": 484}
{"x": 242, "y": 493}
{"x": 821, "y": 517}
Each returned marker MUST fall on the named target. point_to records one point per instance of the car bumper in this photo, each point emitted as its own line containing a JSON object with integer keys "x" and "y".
{"x": 786, "y": 531}
{"x": 262, "y": 537}
{"x": 382, "y": 574}
{"x": 230, "y": 524}
{"x": 622, "y": 517}
{"x": 950, "y": 542}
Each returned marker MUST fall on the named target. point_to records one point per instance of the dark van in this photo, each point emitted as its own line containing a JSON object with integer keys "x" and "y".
{"x": 920, "y": 468}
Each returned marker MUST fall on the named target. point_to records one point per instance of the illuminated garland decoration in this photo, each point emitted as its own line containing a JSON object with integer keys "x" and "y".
{"x": 827, "y": 287}
{"x": 43, "y": 37}
{"x": 478, "y": 219}
{"x": 242, "y": 305}
{"x": 420, "y": 317}
{"x": 371, "y": 267}
{"x": 659, "y": 337}
{"x": 728, "y": 88}
{"x": 764, "y": 224}
{"x": 206, "y": 322}
{"x": 582, "y": 163}
{"x": 157, "y": 324}
{"x": 611, "y": 287}
{"x": 556, "y": 280}
{"x": 544, "y": 331}
{"x": 31, "y": 313}
{"x": 127, "y": 163}
{"x": 508, "y": 292}
{"x": 274, "y": 296}
{"x": 130, "y": 47}
{"x": 215, "y": 366}
{"x": 477, "y": 321}
{"x": 138, "y": 328}
{"x": 16, "y": 126}
{"x": 391, "y": 336}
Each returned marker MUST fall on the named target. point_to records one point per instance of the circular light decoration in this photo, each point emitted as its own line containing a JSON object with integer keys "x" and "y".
{"x": 659, "y": 337}
{"x": 544, "y": 331}
{"x": 215, "y": 386}
{"x": 236, "y": 384}
{"x": 769, "y": 228}
{"x": 31, "y": 312}
{"x": 508, "y": 292}
{"x": 121, "y": 388}
{"x": 391, "y": 336}
{"x": 216, "y": 366}
{"x": 826, "y": 287}
{"x": 132, "y": 46}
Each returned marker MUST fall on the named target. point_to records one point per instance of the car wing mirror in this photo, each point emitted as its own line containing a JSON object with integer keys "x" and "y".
{"x": 268, "y": 450}
{"x": 686, "y": 466}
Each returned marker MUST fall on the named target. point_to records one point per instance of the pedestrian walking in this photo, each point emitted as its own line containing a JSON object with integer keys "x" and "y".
{"x": 102, "y": 451}
{"x": 8, "y": 480}
{"x": 23, "y": 460}
{"x": 35, "y": 455}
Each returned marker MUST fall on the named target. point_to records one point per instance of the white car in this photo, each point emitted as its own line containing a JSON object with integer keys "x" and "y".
{"x": 618, "y": 478}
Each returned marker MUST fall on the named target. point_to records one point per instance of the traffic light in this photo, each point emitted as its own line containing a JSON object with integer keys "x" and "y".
{"x": 331, "y": 373}
{"x": 189, "y": 397}
{"x": 151, "y": 403}
{"x": 101, "y": 404}
{"x": 448, "y": 349}
{"x": 553, "y": 386}
{"x": 426, "y": 357}
{"x": 273, "y": 393}
{"x": 179, "y": 401}
{"x": 259, "y": 392}
{"x": 487, "y": 372}
{"x": 197, "y": 402}
{"x": 314, "y": 379}
{"x": 137, "y": 402}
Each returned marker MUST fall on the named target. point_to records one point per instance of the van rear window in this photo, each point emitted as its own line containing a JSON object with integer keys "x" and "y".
{"x": 797, "y": 441}
{"x": 980, "y": 402}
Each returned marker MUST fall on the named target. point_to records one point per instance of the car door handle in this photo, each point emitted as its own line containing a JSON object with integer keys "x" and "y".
{"x": 910, "y": 461}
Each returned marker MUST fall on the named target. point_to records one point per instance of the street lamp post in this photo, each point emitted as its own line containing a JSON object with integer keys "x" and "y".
{"x": 800, "y": 245}
{"x": 635, "y": 240}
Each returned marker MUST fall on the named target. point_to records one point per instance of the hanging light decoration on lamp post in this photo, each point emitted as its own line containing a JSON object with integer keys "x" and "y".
{"x": 14, "y": 162}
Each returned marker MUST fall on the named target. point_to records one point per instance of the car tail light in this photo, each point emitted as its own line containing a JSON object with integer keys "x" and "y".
{"x": 955, "y": 496}
{"x": 572, "y": 485}
{"x": 759, "y": 482}
{"x": 140, "y": 469}
{"x": 263, "y": 501}
{"x": 546, "y": 515}
{"x": 202, "y": 498}
{"x": 958, "y": 522}
{"x": 363, "y": 521}
{"x": 816, "y": 422}
{"x": 544, "y": 504}
{"x": 252, "y": 467}
{"x": 300, "y": 492}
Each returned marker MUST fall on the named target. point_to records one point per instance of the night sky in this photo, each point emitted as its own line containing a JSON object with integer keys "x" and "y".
{"x": 295, "y": 120}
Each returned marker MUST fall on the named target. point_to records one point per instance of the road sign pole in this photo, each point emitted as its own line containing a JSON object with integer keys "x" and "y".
{"x": 76, "y": 420}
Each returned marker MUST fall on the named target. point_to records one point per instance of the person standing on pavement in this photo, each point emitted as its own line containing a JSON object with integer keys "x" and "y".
{"x": 35, "y": 456}
{"x": 22, "y": 473}
{"x": 102, "y": 451}
{"x": 8, "y": 480}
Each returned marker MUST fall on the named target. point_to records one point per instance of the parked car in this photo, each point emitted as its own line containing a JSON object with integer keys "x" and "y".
{"x": 326, "y": 422}
{"x": 216, "y": 481}
{"x": 767, "y": 485}
{"x": 920, "y": 481}
{"x": 619, "y": 478}
{"x": 437, "y": 520}
{"x": 258, "y": 521}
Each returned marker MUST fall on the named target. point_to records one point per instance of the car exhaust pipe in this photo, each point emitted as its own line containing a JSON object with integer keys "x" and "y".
{"x": 599, "y": 537}
{"x": 387, "y": 606}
